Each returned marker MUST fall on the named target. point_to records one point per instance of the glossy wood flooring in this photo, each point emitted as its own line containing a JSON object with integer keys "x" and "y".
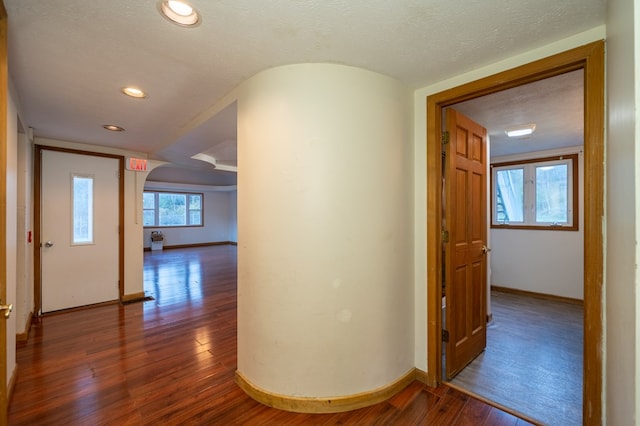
{"x": 171, "y": 361}
{"x": 533, "y": 360}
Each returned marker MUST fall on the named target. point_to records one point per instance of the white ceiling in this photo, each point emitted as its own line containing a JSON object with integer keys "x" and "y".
{"x": 68, "y": 59}
{"x": 555, "y": 105}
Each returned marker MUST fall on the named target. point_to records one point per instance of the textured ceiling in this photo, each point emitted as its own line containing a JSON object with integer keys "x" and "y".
{"x": 68, "y": 59}
{"x": 555, "y": 105}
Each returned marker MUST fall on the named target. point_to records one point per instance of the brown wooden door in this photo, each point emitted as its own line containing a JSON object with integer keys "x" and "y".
{"x": 465, "y": 257}
{"x": 3, "y": 212}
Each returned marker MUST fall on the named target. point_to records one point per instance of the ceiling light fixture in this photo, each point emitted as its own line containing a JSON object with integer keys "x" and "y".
{"x": 134, "y": 92}
{"x": 179, "y": 12}
{"x": 113, "y": 128}
{"x": 520, "y": 131}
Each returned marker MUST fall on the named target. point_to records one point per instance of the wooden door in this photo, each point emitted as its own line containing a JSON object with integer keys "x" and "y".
{"x": 3, "y": 212}
{"x": 465, "y": 251}
{"x": 80, "y": 229}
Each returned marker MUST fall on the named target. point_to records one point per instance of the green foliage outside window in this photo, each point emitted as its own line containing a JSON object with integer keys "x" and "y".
{"x": 172, "y": 209}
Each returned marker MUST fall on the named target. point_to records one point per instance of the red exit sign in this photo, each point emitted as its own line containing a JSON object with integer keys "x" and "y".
{"x": 137, "y": 164}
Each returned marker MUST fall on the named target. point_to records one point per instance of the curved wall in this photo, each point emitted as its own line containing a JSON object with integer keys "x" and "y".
{"x": 325, "y": 290}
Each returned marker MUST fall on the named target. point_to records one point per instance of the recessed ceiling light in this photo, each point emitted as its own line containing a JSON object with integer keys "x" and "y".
{"x": 134, "y": 92}
{"x": 520, "y": 131}
{"x": 179, "y": 12}
{"x": 113, "y": 128}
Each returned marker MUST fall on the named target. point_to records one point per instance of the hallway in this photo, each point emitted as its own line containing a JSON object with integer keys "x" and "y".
{"x": 172, "y": 360}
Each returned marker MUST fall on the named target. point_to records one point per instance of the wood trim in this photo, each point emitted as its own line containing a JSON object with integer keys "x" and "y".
{"x": 544, "y": 296}
{"x": 299, "y": 404}
{"x": 494, "y": 404}
{"x": 121, "y": 225}
{"x": 594, "y": 123}
{"x": 589, "y": 57}
{"x": 11, "y": 385}
{"x": 23, "y": 337}
{"x": 421, "y": 375}
{"x": 180, "y": 192}
{"x": 37, "y": 218}
{"x": 536, "y": 228}
{"x": 575, "y": 184}
{"x": 179, "y": 246}
{"x": 4, "y": 87}
{"x": 434, "y": 243}
{"x": 77, "y": 308}
{"x": 132, "y": 297}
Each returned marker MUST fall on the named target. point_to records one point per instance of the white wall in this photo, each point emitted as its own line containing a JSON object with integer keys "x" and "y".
{"x": 622, "y": 354}
{"x": 325, "y": 293}
{"x": 220, "y": 218}
{"x": 547, "y": 262}
{"x": 133, "y": 185}
{"x": 420, "y": 166}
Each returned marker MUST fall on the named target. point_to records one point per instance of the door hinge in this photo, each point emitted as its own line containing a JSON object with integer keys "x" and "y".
{"x": 445, "y": 138}
{"x": 445, "y": 236}
{"x": 445, "y": 335}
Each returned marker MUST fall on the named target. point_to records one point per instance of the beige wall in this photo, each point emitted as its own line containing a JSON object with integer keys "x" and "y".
{"x": 420, "y": 165}
{"x": 622, "y": 396}
{"x": 622, "y": 215}
{"x": 547, "y": 262}
{"x": 324, "y": 231}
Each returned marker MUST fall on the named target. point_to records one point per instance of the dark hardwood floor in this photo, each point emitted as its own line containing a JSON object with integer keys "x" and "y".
{"x": 171, "y": 361}
{"x": 533, "y": 359}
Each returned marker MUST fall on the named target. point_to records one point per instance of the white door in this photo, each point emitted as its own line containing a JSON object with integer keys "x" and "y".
{"x": 79, "y": 231}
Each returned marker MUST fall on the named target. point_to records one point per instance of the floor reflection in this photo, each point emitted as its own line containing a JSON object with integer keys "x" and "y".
{"x": 173, "y": 277}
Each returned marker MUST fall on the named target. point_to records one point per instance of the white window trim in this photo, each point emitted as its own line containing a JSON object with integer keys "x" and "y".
{"x": 92, "y": 213}
{"x": 156, "y": 220}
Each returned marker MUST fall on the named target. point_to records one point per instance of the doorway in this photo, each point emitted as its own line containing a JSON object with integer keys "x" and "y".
{"x": 534, "y": 353}
{"x": 590, "y": 58}
{"x": 78, "y": 215}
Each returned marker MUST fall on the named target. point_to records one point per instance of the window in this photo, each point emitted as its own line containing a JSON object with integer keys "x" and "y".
{"x": 171, "y": 209}
{"x": 82, "y": 209}
{"x": 535, "y": 194}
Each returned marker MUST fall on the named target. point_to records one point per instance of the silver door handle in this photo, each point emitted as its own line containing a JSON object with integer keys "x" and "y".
{"x": 485, "y": 249}
{"x": 48, "y": 244}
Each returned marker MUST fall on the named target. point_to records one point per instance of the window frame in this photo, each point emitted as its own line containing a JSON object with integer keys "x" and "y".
{"x": 573, "y": 209}
{"x": 91, "y": 219}
{"x": 187, "y": 209}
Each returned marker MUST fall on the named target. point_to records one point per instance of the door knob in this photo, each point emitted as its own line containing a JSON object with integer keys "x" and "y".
{"x": 48, "y": 244}
{"x": 7, "y": 309}
{"x": 485, "y": 249}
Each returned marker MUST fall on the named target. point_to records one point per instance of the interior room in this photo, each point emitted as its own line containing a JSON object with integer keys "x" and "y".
{"x": 536, "y": 274}
{"x": 250, "y": 201}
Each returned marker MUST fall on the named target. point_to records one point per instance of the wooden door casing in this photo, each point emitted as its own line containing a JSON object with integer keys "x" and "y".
{"x": 37, "y": 221}
{"x": 591, "y": 58}
{"x": 3, "y": 212}
{"x": 95, "y": 262}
